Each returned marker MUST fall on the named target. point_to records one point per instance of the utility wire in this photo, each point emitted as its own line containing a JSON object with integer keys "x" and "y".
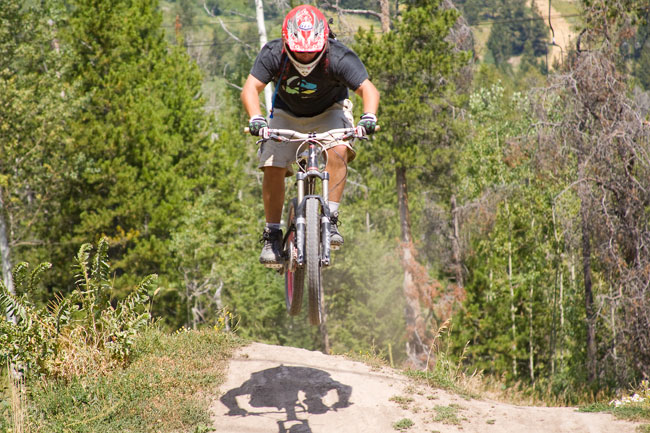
{"x": 378, "y": 31}
{"x": 517, "y": 20}
{"x": 208, "y": 24}
{"x": 479, "y": 23}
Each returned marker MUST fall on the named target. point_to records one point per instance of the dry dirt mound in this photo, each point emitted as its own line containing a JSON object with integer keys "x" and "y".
{"x": 287, "y": 390}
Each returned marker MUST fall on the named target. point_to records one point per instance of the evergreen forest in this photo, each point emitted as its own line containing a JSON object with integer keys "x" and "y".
{"x": 500, "y": 217}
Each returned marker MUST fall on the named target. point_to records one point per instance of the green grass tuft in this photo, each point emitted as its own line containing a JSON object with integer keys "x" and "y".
{"x": 447, "y": 414}
{"x": 631, "y": 411}
{"x": 372, "y": 358}
{"x": 403, "y": 402}
{"x": 166, "y": 388}
{"x": 403, "y": 424}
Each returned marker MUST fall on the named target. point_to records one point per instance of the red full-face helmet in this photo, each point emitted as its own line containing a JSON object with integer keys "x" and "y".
{"x": 305, "y": 30}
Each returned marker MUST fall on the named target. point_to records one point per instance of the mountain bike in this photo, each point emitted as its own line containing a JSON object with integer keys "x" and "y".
{"x": 306, "y": 244}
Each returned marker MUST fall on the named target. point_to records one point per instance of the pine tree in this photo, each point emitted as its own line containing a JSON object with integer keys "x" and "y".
{"x": 411, "y": 67}
{"x": 36, "y": 106}
{"x": 137, "y": 157}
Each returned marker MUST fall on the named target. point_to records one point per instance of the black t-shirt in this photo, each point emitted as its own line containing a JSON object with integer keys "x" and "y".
{"x": 339, "y": 69}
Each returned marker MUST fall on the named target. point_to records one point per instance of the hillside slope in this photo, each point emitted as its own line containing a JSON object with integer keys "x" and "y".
{"x": 289, "y": 390}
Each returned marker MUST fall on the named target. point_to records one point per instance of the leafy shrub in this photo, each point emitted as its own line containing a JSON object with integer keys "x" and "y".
{"x": 82, "y": 333}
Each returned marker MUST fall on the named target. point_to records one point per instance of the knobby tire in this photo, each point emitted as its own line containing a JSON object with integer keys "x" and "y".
{"x": 313, "y": 262}
{"x": 294, "y": 276}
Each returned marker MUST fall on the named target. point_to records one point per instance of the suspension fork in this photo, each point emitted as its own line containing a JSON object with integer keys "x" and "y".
{"x": 300, "y": 218}
{"x": 306, "y": 181}
{"x": 325, "y": 221}
{"x": 312, "y": 170}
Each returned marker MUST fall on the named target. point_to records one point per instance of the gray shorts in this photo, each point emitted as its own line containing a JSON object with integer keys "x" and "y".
{"x": 280, "y": 154}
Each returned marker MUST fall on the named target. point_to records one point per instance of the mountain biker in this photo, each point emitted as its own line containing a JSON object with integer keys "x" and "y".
{"x": 312, "y": 73}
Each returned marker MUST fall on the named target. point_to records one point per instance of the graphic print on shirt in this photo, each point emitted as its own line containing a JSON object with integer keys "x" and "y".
{"x": 297, "y": 85}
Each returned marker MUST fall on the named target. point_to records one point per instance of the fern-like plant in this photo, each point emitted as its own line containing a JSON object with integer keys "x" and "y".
{"x": 27, "y": 333}
{"x": 77, "y": 334}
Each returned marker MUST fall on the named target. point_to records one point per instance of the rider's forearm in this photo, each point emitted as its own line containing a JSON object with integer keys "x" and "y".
{"x": 250, "y": 96}
{"x": 370, "y": 96}
{"x": 251, "y": 103}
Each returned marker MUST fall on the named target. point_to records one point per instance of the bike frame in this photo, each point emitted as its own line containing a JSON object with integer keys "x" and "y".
{"x": 306, "y": 250}
{"x": 306, "y": 181}
{"x": 306, "y": 186}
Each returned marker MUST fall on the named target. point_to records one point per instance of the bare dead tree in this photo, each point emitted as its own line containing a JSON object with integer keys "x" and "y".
{"x": 228, "y": 32}
{"x": 601, "y": 128}
{"x": 383, "y": 15}
{"x": 261, "y": 29}
{"x": 336, "y": 6}
{"x": 203, "y": 295}
{"x": 462, "y": 39}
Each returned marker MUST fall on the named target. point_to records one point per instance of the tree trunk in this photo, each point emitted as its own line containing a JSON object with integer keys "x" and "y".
{"x": 585, "y": 226}
{"x": 385, "y": 16}
{"x": 531, "y": 316}
{"x": 589, "y": 295}
{"x": 513, "y": 324}
{"x": 7, "y": 277}
{"x": 455, "y": 244}
{"x": 531, "y": 345}
{"x": 558, "y": 300}
{"x": 261, "y": 28}
{"x": 415, "y": 347}
{"x": 561, "y": 333}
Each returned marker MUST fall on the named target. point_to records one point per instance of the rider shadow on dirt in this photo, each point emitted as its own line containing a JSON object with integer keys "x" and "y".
{"x": 279, "y": 387}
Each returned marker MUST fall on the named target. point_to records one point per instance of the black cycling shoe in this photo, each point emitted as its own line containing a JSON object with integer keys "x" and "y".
{"x": 336, "y": 240}
{"x": 271, "y": 255}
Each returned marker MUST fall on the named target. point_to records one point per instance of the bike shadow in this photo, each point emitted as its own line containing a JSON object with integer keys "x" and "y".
{"x": 280, "y": 388}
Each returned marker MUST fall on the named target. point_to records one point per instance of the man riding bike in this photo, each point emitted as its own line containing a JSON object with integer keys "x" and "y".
{"x": 312, "y": 73}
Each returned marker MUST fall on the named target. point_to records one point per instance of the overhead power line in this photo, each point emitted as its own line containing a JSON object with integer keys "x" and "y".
{"x": 479, "y": 23}
{"x": 209, "y": 24}
{"x": 517, "y": 20}
{"x": 377, "y": 31}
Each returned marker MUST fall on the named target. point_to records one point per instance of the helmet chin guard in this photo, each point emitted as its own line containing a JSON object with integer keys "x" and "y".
{"x": 304, "y": 69}
{"x": 305, "y": 30}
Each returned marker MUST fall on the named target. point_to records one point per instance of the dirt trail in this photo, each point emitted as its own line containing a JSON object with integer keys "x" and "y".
{"x": 287, "y": 390}
{"x": 561, "y": 28}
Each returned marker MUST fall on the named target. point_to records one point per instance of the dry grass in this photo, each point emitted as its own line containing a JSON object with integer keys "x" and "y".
{"x": 166, "y": 388}
{"x": 372, "y": 358}
{"x": 18, "y": 399}
{"x": 448, "y": 372}
{"x": 77, "y": 357}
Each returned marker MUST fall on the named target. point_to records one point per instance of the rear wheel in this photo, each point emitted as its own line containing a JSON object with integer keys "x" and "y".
{"x": 313, "y": 262}
{"x": 294, "y": 275}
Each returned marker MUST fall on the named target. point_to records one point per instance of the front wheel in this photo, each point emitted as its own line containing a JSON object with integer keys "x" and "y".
{"x": 294, "y": 275}
{"x": 313, "y": 262}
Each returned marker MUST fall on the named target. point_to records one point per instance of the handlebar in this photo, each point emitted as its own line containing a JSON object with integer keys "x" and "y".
{"x": 289, "y": 134}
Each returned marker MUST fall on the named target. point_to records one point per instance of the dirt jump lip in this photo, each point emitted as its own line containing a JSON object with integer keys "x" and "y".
{"x": 272, "y": 389}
